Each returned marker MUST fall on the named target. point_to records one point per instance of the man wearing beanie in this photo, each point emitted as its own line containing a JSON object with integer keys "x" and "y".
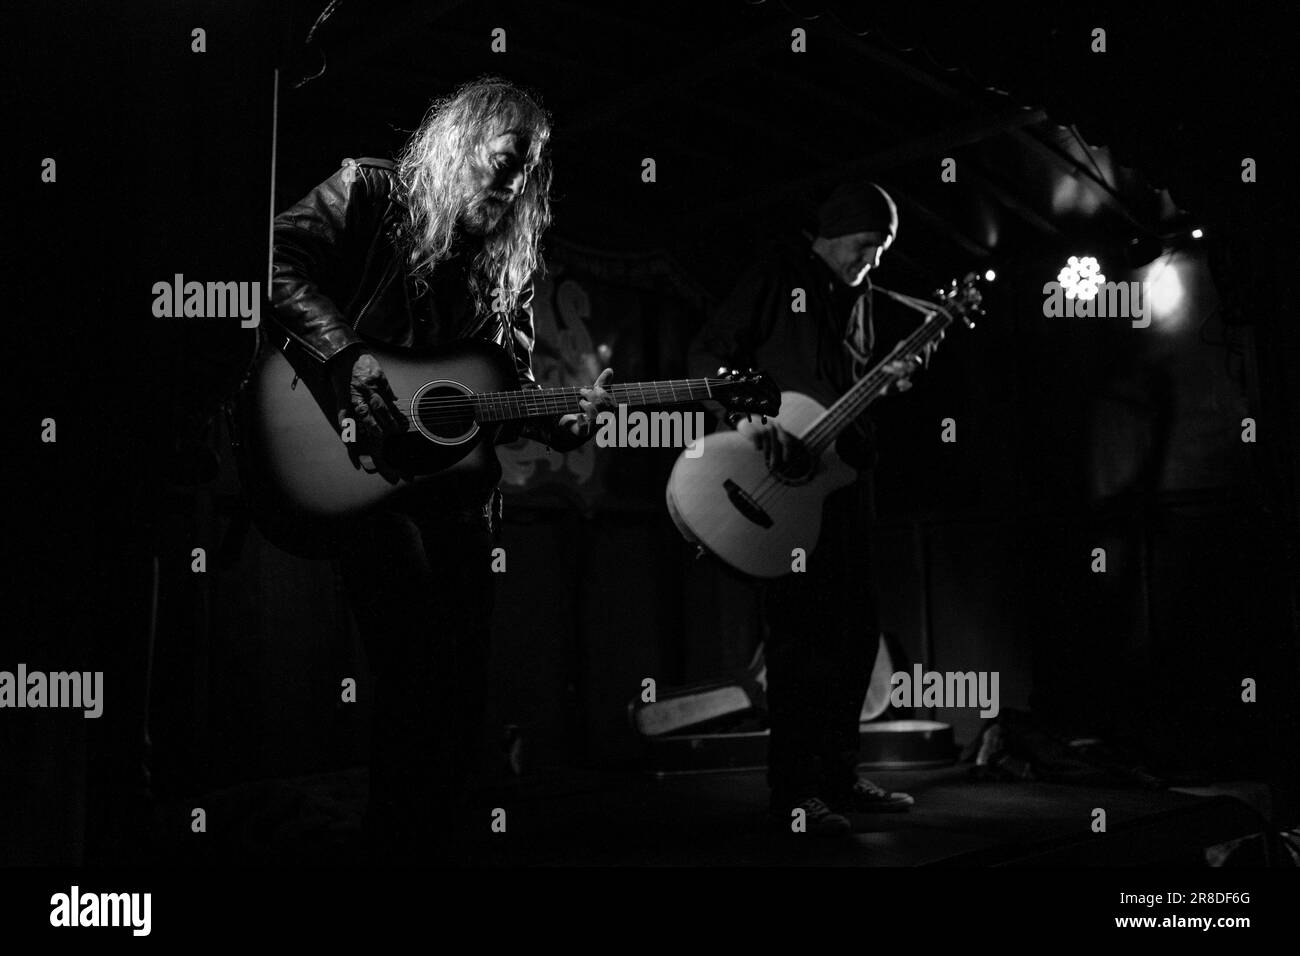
{"x": 822, "y": 631}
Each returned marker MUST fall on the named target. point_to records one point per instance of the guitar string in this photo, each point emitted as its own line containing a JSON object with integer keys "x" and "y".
{"x": 448, "y": 408}
{"x": 558, "y": 400}
{"x": 831, "y": 421}
{"x": 773, "y": 484}
{"x": 909, "y": 347}
{"x": 451, "y": 408}
{"x": 554, "y": 403}
{"x": 565, "y": 395}
{"x": 826, "y": 426}
{"x": 484, "y": 398}
{"x": 460, "y": 413}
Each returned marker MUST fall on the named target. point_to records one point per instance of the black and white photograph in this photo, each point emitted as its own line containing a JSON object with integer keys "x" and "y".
{"x": 460, "y": 449}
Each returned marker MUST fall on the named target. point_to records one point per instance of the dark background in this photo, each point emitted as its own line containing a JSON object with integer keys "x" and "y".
{"x": 1071, "y": 435}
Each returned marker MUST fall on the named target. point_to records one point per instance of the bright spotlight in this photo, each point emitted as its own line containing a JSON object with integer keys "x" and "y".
{"x": 1081, "y": 277}
{"x": 1164, "y": 289}
{"x": 1197, "y": 233}
{"x": 990, "y": 275}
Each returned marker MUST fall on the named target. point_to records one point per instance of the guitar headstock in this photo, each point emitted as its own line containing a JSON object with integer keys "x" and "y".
{"x": 750, "y": 392}
{"x": 963, "y": 300}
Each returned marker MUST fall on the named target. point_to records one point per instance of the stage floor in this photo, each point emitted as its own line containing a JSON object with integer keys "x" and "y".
{"x": 577, "y": 818}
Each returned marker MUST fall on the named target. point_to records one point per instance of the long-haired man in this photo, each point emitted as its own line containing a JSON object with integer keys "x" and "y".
{"x": 443, "y": 244}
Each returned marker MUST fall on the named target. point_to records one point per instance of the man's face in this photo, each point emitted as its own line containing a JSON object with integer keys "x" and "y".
{"x": 494, "y": 180}
{"x": 851, "y": 257}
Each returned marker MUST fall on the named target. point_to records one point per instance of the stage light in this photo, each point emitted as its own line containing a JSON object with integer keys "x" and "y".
{"x": 1165, "y": 287}
{"x": 1197, "y": 233}
{"x": 990, "y": 275}
{"x": 1081, "y": 277}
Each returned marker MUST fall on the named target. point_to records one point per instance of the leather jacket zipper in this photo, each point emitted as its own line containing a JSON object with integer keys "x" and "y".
{"x": 384, "y": 284}
{"x": 388, "y": 274}
{"x": 382, "y": 287}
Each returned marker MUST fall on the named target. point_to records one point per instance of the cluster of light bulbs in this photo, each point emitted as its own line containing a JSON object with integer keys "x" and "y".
{"x": 1081, "y": 277}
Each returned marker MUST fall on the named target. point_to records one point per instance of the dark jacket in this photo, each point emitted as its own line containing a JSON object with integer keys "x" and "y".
{"x": 338, "y": 274}
{"x": 755, "y": 326}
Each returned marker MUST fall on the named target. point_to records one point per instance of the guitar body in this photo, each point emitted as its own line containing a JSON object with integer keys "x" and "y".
{"x": 305, "y": 484}
{"x": 727, "y": 500}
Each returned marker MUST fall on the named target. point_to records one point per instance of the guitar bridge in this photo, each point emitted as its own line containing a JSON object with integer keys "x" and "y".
{"x": 746, "y": 505}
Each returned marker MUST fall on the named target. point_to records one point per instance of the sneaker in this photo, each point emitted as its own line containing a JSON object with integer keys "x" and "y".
{"x": 866, "y": 797}
{"x": 819, "y": 819}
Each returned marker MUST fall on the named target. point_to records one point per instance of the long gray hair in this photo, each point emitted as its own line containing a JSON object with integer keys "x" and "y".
{"x": 430, "y": 168}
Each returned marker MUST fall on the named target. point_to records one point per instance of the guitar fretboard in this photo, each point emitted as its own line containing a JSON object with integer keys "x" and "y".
{"x": 867, "y": 389}
{"x": 544, "y": 402}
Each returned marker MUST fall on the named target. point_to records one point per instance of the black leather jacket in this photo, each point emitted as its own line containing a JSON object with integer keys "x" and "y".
{"x": 337, "y": 274}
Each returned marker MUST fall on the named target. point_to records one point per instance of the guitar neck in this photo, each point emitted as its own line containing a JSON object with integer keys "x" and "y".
{"x": 823, "y": 432}
{"x": 545, "y": 402}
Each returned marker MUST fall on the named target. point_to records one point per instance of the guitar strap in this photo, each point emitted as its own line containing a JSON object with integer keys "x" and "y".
{"x": 858, "y": 337}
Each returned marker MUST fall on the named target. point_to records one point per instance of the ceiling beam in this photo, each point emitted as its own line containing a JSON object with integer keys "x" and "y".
{"x": 879, "y": 55}
{"x": 1027, "y": 213}
{"x": 927, "y": 146}
{"x": 1062, "y": 159}
{"x": 1008, "y": 199}
{"x": 845, "y": 106}
{"x": 942, "y": 226}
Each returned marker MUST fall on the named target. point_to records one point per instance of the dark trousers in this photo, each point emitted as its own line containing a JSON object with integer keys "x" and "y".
{"x": 821, "y": 646}
{"x": 422, "y": 591}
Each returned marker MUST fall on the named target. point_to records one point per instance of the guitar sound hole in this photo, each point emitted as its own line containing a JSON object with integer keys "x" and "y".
{"x": 444, "y": 413}
{"x": 797, "y": 471}
{"x": 746, "y": 505}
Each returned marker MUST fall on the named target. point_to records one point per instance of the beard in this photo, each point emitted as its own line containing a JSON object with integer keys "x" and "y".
{"x": 485, "y": 215}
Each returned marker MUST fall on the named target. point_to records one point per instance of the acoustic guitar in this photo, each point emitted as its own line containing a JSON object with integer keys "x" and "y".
{"x": 732, "y": 505}
{"x": 305, "y": 482}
